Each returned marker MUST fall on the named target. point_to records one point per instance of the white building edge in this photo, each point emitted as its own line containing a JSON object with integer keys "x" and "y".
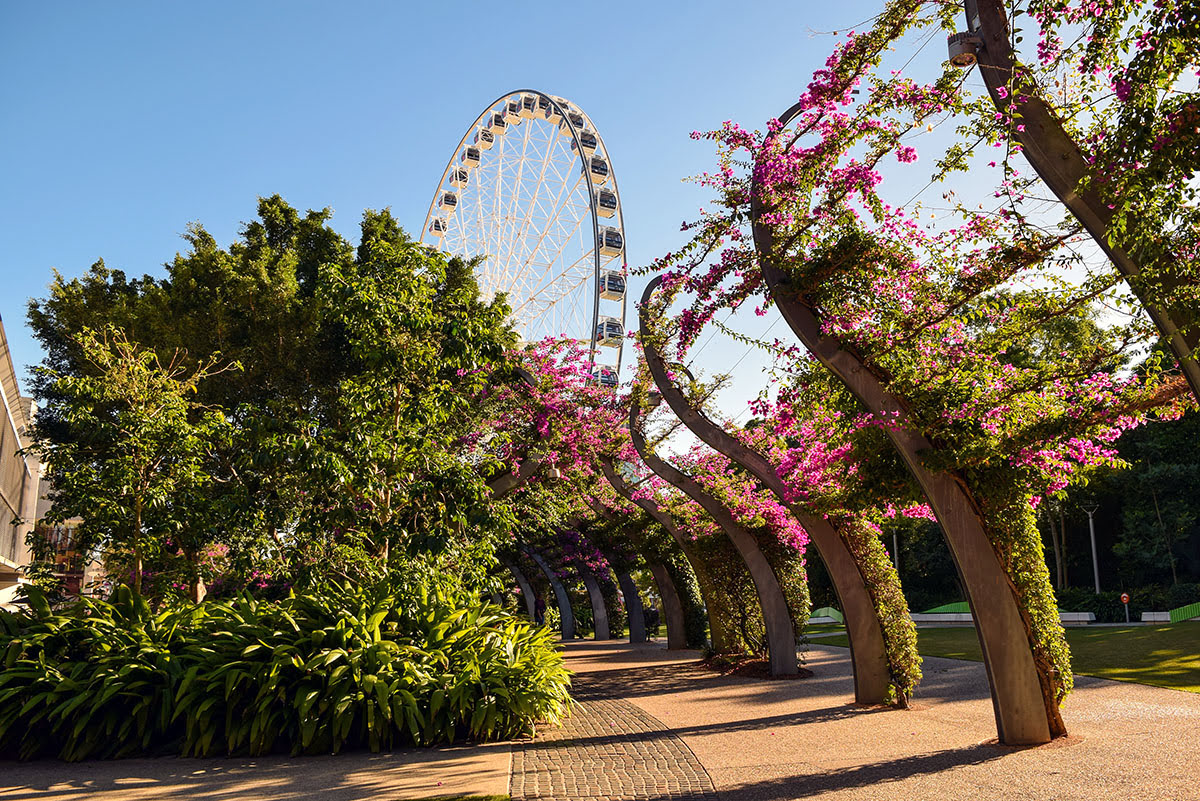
{"x": 20, "y": 476}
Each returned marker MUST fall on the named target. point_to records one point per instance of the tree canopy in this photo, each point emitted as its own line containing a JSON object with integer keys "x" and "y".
{"x": 343, "y": 426}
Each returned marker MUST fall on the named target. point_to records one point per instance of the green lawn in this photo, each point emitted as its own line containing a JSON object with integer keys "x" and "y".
{"x": 1164, "y": 656}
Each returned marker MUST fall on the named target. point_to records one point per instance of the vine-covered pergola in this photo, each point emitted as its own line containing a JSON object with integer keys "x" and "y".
{"x": 916, "y": 382}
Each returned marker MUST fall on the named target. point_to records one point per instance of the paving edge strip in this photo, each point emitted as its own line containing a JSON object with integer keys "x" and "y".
{"x": 608, "y": 750}
{"x": 508, "y": 786}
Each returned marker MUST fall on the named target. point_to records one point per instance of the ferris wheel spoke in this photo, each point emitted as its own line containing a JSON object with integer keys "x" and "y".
{"x": 558, "y": 204}
{"x": 506, "y": 236}
{"x": 557, "y": 286}
{"x": 536, "y": 248}
{"x": 535, "y": 203}
{"x": 552, "y": 245}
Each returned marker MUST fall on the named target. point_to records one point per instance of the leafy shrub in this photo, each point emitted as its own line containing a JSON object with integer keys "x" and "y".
{"x": 1107, "y": 606}
{"x": 339, "y": 668}
{"x": 552, "y": 621}
{"x": 581, "y": 609}
{"x": 1179, "y": 595}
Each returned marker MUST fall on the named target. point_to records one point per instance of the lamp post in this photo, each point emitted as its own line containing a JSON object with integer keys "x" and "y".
{"x": 1091, "y": 508}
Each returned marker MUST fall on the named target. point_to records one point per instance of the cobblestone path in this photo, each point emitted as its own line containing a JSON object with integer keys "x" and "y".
{"x": 608, "y": 750}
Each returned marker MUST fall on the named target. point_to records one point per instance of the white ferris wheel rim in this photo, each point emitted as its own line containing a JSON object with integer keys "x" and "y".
{"x": 592, "y": 255}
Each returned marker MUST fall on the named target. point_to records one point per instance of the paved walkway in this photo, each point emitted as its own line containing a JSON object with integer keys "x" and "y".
{"x": 608, "y": 749}
{"x": 652, "y": 725}
{"x": 776, "y": 740}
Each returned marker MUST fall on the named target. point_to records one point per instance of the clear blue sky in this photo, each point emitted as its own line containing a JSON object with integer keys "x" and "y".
{"x": 123, "y": 122}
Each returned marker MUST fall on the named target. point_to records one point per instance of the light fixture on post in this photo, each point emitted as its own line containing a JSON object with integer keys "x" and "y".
{"x": 1090, "y": 506}
{"x": 553, "y": 472}
{"x": 964, "y": 49}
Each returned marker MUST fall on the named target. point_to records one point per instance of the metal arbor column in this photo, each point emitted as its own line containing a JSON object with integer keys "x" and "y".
{"x": 634, "y": 611}
{"x": 634, "y": 614}
{"x": 1059, "y": 162}
{"x": 565, "y": 616}
{"x": 672, "y": 607}
{"x": 717, "y": 628}
{"x": 599, "y": 610}
{"x": 1025, "y": 709}
{"x": 868, "y": 655}
{"x": 781, "y": 631}
{"x": 526, "y": 588}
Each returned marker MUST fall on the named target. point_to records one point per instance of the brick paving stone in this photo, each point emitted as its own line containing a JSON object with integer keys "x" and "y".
{"x": 608, "y": 750}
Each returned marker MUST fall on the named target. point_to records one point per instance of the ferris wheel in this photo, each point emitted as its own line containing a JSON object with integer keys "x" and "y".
{"x": 530, "y": 189}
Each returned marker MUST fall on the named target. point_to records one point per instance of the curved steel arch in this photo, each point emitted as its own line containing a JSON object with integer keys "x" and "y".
{"x": 864, "y": 628}
{"x": 1023, "y": 702}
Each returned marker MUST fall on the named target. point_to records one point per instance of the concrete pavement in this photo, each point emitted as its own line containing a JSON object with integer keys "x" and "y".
{"x": 764, "y": 740}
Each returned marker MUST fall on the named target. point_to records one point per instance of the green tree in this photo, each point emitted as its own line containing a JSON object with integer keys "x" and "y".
{"x": 1160, "y": 509}
{"x": 420, "y": 348}
{"x": 349, "y": 427}
{"x": 141, "y": 445}
{"x": 252, "y": 302}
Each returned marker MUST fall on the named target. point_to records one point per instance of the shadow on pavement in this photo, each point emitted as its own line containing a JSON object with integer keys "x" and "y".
{"x": 875, "y": 773}
{"x": 661, "y": 672}
{"x": 658, "y": 679}
{"x": 346, "y": 777}
{"x": 809, "y": 716}
{"x": 834, "y": 780}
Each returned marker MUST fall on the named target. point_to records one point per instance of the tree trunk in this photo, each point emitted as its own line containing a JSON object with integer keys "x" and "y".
{"x": 1062, "y": 533}
{"x": 1166, "y": 536}
{"x": 1055, "y": 542}
{"x": 196, "y": 587}
{"x": 137, "y": 546}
